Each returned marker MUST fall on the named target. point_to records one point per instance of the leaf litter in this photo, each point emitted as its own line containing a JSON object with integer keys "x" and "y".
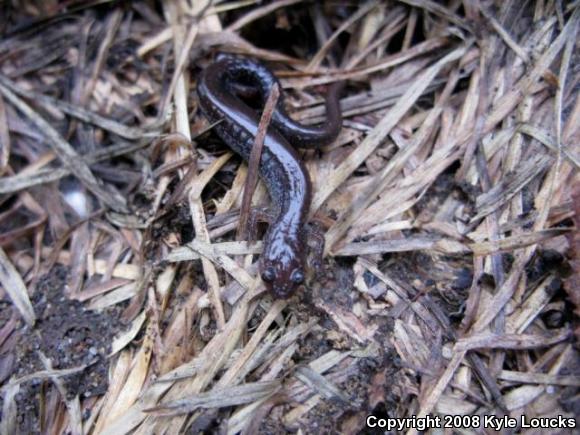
{"x": 449, "y": 205}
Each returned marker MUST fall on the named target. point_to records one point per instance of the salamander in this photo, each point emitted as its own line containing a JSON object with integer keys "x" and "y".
{"x": 283, "y": 260}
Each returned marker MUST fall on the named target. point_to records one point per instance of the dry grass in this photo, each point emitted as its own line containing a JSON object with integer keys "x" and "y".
{"x": 450, "y": 204}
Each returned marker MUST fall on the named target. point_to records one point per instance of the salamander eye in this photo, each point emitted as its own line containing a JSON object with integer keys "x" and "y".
{"x": 297, "y": 277}
{"x": 268, "y": 274}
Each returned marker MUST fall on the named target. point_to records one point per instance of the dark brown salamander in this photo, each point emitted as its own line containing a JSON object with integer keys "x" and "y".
{"x": 282, "y": 262}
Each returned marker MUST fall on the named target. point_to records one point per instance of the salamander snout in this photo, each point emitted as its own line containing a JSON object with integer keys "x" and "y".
{"x": 282, "y": 281}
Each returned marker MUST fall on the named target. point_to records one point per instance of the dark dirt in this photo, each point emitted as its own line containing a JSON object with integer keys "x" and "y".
{"x": 69, "y": 336}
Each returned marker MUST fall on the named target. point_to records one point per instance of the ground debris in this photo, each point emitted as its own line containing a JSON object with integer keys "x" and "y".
{"x": 449, "y": 206}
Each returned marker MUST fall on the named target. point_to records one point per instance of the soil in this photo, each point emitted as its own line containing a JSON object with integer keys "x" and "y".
{"x": 70, "y": 336}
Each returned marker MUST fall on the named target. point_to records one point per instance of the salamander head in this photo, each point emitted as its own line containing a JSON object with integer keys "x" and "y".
{"x": 282, "y": 269}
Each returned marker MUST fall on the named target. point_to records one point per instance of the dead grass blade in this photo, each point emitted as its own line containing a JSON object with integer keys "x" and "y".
{"x": 67, "y": 154}
{"x": 17, "y": 291}
{"x": 223, "y": 397}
